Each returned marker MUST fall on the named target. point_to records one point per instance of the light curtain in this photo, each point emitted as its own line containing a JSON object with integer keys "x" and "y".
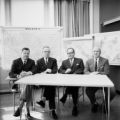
{"x": 73, "y": 15}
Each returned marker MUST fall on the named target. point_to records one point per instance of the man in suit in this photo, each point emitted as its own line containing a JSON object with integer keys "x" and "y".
{"x": 97, "y": 65}
{"x": 72, "y": 66}
{"x": 22, "y": 67}
{"x": 48, "y": 65}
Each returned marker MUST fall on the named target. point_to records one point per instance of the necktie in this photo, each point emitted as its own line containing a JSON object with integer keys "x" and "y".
{"x": 71, "y": 62}
{"x": 96, "y": 65}
{"x": 24, "y": 62}
{"x": 46, "y": 61}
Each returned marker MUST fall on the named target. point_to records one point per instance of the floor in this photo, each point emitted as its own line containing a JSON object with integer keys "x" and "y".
{"x": 64, "y": 112}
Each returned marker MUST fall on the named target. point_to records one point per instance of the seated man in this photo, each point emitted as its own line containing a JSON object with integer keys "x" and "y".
{"x": 97, "y": 65}
{"x": 48, "y": 65}
{"x": 22, "y": 67}
{"x": 72, "y": 66}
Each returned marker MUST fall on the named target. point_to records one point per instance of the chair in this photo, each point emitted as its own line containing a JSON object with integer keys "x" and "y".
{"x": 100, "y": 97}
{"x": 11, "y": 82}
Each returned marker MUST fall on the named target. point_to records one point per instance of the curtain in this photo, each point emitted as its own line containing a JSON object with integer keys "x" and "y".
{"x": 73, "y": 16}
{"x": 8, "y": 12}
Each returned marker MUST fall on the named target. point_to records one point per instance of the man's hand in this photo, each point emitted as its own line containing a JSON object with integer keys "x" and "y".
{"x": 94, "y": 73}
{"x": 68, "y": 70}
{"x": 28, "y": 73}
{"x": 22, "y": 74}
{"x": 48, "y": 71}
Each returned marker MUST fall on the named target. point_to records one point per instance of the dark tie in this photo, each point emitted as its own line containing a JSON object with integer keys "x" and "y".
{"x": 24, "y": 62}
{"x": 96, "y": 65}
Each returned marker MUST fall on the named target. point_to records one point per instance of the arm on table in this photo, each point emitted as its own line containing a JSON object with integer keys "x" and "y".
{"x": 80, "y": 70}
{"x": 62, "y": 68}
{"x": 106, "y": 68}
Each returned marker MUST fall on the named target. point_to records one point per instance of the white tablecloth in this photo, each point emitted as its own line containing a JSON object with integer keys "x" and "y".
{"x": 67, "y": 80}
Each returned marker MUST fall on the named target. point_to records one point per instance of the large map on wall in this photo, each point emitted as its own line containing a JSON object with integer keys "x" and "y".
{"x": 14, "y": 39}
{"x": 110, "y": 46}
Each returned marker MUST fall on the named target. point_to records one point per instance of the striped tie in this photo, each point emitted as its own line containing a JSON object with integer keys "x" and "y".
{"x": 96, "y": 65}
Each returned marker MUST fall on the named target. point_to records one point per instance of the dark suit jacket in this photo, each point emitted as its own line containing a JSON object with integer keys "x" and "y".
{"x": 77, "y": 67}
{"x": 41, "y": 66}
{"x": 18, "y": 67}
{"x": 103, "y": 66}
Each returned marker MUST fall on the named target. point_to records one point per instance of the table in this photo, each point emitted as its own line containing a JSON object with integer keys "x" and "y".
{"x": 69, "y": 80}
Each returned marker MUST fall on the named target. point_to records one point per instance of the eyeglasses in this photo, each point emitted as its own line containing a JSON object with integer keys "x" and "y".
{"x": 96, "y": 51}
{"x": 70, "y": 53}
{"x": 46, "y": 51}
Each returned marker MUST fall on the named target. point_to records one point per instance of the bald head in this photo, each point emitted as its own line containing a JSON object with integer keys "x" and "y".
{"x": 96, "y": 52}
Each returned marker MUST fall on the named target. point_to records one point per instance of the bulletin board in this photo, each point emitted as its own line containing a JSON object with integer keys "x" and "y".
{"x": 14, "y": 39}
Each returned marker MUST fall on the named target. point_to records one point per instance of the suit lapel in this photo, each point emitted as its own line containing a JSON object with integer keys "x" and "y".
{"x": 98, "y": 65}
{"x": 100, "y": 62}
{"x": 43, "y": 61}
{"x": 48, "y": 63}
{"x": 74, "y": 63}
{"x": 21, "y": 62}
{"x": 68, "y": 62}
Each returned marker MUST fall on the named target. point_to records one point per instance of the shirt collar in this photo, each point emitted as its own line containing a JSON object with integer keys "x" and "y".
{"x": 45, "y": 59}
{"x": 24, "y": 60}
{"x": 97, "y": 59}
{"x": 71, "y": 59}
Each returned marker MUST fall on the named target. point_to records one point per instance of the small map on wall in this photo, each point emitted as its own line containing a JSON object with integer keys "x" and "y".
{"x": 83, "y": 47}
{"x": 110, "y": 46}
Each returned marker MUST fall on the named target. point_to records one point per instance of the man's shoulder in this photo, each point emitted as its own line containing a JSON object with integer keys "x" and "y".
{"x": 78, "y": 59}
{"x": 40, "y": 59}
{"x": 17, "y": 60}
{"x": 31, "y": 60}
{"x": 65, "y": 61}
{"x": 51, "y": 58}
{"x": 103, "y": 59}
{"x": 90, "y": 60}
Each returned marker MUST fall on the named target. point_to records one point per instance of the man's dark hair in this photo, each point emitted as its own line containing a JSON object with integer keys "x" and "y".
{"x": 25, "y": 48}
{"x": 72, "y": 49}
